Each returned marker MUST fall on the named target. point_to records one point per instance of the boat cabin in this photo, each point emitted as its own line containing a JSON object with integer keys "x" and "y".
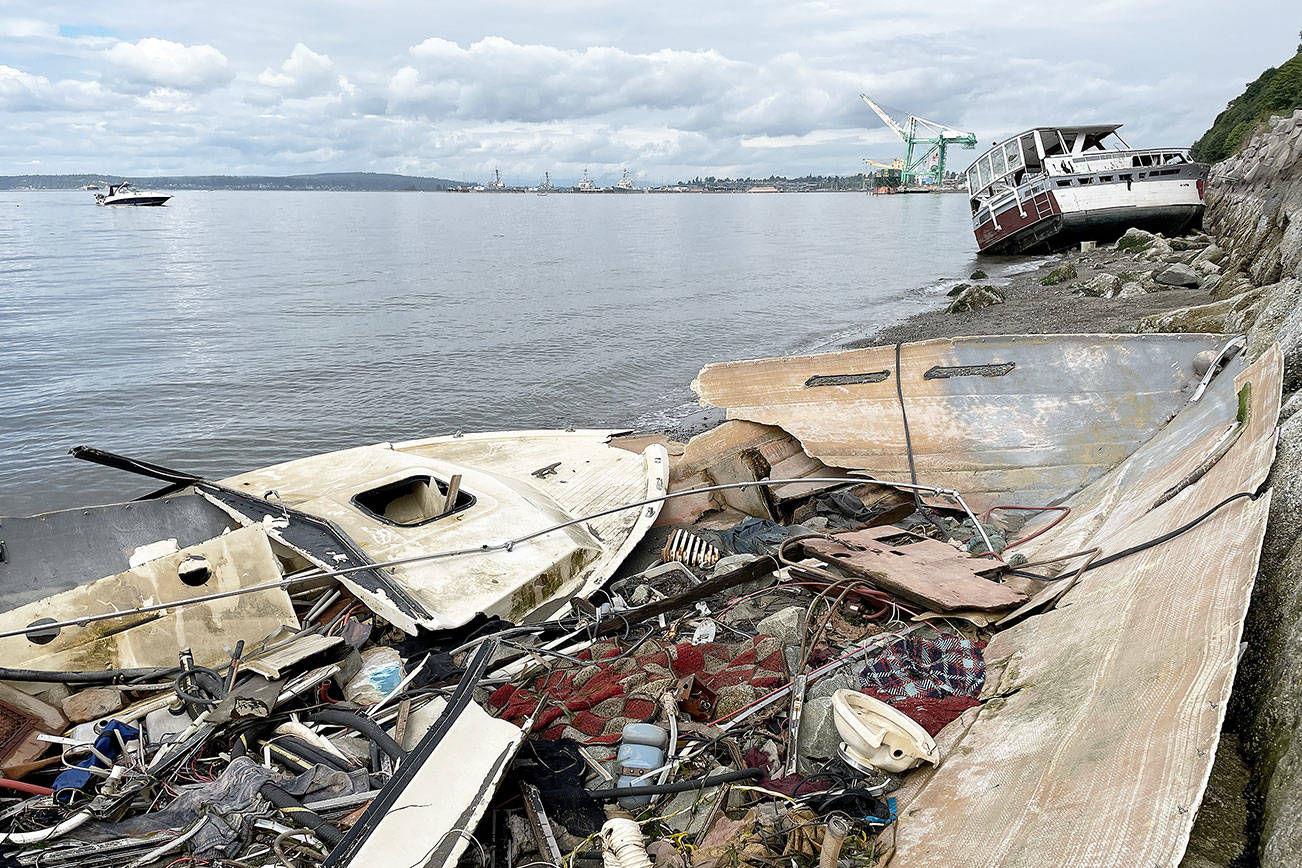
{"x": 1065, "y": 153}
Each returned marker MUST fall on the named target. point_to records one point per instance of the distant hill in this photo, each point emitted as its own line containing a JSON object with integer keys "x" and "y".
{"x": 338, "y": 181}
{"x": 1278, "y": 91}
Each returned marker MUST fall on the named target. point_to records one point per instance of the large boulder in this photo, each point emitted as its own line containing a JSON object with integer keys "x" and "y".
{"x": 1061, "y": 274}
{"x": 976, "y": 297}
{"x": 1210, "y": 253}
{"x": 1135, "y": 240}
{"x": 1177, "y": 274}
{"x": 1101, "y": 286}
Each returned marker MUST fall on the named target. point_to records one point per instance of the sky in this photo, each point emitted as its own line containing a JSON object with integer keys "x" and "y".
{"x": 666, "y": 89}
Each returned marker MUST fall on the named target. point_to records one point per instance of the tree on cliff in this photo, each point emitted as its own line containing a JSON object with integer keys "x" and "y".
{"x": 1277, "y": 91}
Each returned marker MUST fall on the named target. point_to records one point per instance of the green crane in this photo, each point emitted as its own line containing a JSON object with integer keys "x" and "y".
{"x": 925, "y": 143}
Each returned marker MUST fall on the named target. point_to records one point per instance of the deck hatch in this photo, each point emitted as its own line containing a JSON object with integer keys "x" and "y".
{"x": 413, "y": 501}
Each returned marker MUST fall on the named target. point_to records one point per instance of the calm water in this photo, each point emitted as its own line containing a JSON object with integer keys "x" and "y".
{"x": 231, "y": 330}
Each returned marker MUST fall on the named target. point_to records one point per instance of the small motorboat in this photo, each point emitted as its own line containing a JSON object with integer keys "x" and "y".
{"x": 123, "y": 194}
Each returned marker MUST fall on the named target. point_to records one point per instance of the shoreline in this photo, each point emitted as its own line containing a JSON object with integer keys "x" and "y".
{"x": 1029, "y": 306}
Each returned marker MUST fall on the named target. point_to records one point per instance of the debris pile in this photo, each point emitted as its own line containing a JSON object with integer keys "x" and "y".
{"x": 293, "y": 678}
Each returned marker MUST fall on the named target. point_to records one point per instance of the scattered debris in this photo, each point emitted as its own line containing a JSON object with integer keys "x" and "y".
{"x": 443, "y": 652}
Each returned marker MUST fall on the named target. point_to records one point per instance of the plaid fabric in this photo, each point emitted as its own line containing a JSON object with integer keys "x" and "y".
{"x": 591, "y": 704}
{"x": 912, "y": 667}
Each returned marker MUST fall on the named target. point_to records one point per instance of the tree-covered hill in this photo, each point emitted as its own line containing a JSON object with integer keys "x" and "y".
{"x": 1278, "y": 91}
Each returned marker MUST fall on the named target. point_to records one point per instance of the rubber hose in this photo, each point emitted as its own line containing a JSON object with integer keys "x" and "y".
{"x": 107, "y": 676}
{"x": 311, "y": 753}
{"x": 201, "y": 678}
{"x": 24, "y": 787}
{"x": 294, "y": 811}
{"x": 838, "y": 826}
{"x": 622, "y": 845}
{"x": 365, "y": 726}
{"x": 677, "y": 786}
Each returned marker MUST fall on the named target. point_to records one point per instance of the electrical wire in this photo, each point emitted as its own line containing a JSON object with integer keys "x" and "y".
{"x": 1135, "y": 549}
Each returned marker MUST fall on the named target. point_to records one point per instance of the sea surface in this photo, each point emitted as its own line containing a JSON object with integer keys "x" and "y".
{"x": 231, "y": 330}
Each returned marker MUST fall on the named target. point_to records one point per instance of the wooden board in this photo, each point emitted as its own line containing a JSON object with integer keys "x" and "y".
{"x": 924, "y": 571}
{"x": 1102, "y": 717}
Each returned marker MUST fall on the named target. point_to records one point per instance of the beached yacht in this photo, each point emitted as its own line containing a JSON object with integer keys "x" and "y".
{"x": 122, "y": 194}
{"x": 1050, "y": 187}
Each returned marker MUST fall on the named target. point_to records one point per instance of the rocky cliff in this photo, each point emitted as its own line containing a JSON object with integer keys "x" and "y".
{"x": 1254, "y": 215}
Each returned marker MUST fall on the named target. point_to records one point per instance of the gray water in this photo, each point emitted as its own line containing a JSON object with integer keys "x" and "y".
{"x": 231, "y": 330}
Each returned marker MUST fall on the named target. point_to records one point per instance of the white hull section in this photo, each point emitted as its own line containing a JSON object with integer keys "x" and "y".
{"x": 1091, "y": 199}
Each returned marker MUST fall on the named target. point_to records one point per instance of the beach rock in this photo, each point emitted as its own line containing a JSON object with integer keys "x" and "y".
{"x": 975, "y": 298}
{"x": 957, "y": 289}
{"x": 1101, "y": 286}
{"x": 1210, "y": 253}
{"x": 1188, "y": 242}
{"x": 819, "y": 738}
{"x": 978, "y": 275}
{"x": 1220, "y": 831}
{"x": 1290, "y": 407}
{"x": 1132, "y": 289}
{"x": 92, "y": 704}
{"x": 1206, "y": 266}
{"x": 1158, "y": 251}
{"x": 785, "y": 624}
{"x": 829, "y": 684}
{"x": 1135, "y": 240}
{"x": 1231, "y": 316}
{"x": 1061, "y": 274}
{"x": 1177, "y": 274}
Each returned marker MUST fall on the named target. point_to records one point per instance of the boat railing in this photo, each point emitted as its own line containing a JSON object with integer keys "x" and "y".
{"x": 1023, "y": 193}
{"x": 1135, "y": 157}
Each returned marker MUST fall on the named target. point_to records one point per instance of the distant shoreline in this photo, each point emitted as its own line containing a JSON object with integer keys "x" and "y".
{"x": 374, "y": 182}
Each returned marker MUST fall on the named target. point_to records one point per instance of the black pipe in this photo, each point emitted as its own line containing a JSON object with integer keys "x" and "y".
{"x": 105, "y": 676}
{"x": 305, "y": 750}
{"x": 294, "y": 811}
{"x": 364, "y": 725}
{"x": 676, "y": 786}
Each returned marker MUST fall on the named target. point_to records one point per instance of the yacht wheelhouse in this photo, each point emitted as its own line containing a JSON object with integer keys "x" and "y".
{"x": 1050, "y": 187}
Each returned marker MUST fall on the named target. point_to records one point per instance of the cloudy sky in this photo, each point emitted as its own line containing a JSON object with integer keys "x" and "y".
{"x": 669, "y": 89}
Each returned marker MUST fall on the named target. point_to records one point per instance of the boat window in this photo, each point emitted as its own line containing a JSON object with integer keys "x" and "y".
{"x": 1105, "y": 178}
{"x": 1066, "y": 183}
{"x": 1086, "y": 180}
{"x": 413, "y": 501}
{"x": 997, "y": 167}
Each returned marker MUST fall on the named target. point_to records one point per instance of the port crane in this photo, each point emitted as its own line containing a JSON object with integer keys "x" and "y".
{"x": 925, "y": 143}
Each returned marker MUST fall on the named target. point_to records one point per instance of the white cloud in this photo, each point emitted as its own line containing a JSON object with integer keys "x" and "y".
{"x": 171, "y": 64}
{"x": 669, "y": 90}
{"x": 23, "y": 91}
{"x": 26, "y": 28}
{"x": 166, "y": 99}
{"x": 305, "y": 73}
